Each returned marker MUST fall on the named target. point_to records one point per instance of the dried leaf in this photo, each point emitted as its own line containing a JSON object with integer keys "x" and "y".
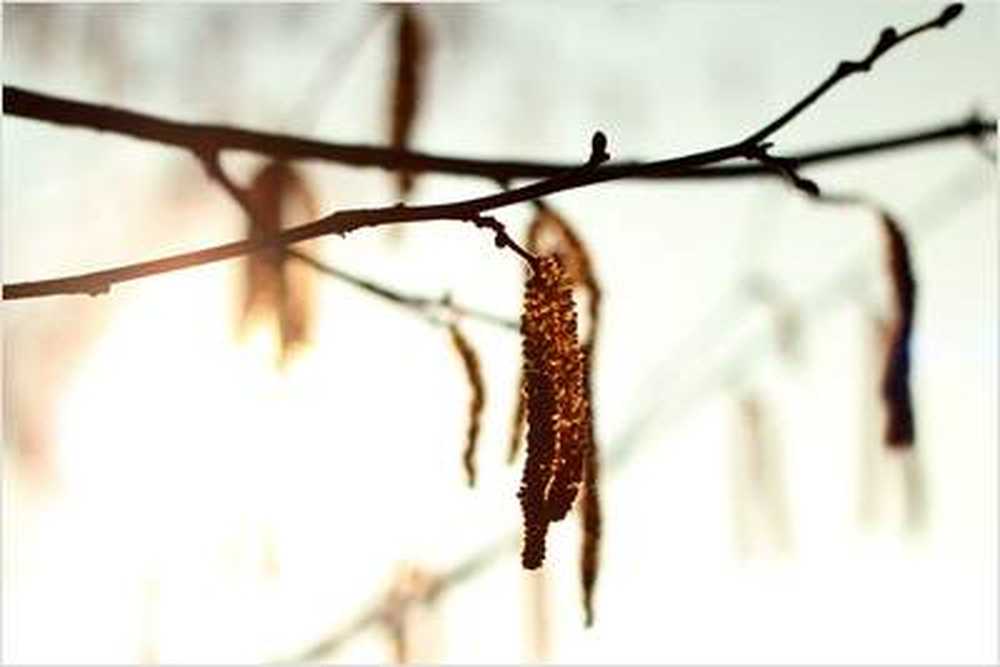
{"x": 473, "y": 370}
{"x": 556, "y": 404}
{"x": 273, "y": 289}
{"x": 896, "y": 393}
{"x": 411, "y": 50}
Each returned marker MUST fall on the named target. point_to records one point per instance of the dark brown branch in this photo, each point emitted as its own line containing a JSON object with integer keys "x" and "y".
{"x": 786, "y": 167}
{"x": 888, "y": 39}
{"x": 342, "y": 222}
{"x": 37, "y": 106}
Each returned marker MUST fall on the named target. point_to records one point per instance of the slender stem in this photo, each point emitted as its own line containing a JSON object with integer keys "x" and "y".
{"x": 888, "y": 39}
{"x": 421, "y": 305}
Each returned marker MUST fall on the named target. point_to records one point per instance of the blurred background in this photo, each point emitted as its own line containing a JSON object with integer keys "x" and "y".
{"x": 173, "y": 494}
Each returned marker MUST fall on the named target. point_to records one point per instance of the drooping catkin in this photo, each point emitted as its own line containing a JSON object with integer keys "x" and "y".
{"x": 273, "y": 288}
{"x": 550, "y": 233}
{"x": 477, "y": 388}
{"x": 556, "y": 406}
{"x": 590, "y": 514}
{"x": 899, "y": 429}
{"x": 411, "y": 47}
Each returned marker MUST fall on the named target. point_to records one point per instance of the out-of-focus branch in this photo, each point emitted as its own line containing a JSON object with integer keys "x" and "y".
{"x": 469, "y": 210}
{"x": 429, "y": 308}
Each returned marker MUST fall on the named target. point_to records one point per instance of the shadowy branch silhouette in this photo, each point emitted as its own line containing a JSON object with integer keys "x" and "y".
{"x": 208, "y": 140}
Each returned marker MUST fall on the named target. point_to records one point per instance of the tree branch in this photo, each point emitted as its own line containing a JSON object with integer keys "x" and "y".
{"x": 194, "y": 136}
{"x": 345, "y": 221}
{"x": 888, "y": 39}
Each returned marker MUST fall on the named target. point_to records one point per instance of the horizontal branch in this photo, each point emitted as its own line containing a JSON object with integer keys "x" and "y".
{"x": 469, "y": 210}
{"x": 205, "y": 137}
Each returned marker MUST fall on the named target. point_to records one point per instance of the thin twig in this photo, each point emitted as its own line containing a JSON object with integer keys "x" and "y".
{"x": 425, "y": 307}
{"x": 345, "y": 221}
{"x": 888, "y": 39}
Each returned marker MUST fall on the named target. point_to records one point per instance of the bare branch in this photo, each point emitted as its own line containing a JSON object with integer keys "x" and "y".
{"x": 888, "y": 39}
{"x": 345, "y": 221}
{"x": 37, "y": 106}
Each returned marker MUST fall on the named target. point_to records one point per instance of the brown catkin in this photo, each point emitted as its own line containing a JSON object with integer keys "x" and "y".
{"x": 571, "y": 424}
{"x": 540, "y": 403}
{"x": 550, "y": 233}
{"x": 411, "y": 47}
{"x": 272, "y": 287}
{"x": 473, "y": 371}
{"x": 556, "y": 406}
{"x": 899, "y": 430}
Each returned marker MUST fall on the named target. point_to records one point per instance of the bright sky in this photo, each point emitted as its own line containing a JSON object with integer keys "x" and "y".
{"x": 203, "y": 508}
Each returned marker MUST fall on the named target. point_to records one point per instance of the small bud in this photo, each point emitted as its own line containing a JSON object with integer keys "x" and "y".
{"x": 808, "y": 186}
{"x": 599, "y": 148}
{"x": 950, "y": 13}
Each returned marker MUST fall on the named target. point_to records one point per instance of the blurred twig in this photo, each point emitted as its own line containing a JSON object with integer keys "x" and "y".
{"x": 428, "y": 308}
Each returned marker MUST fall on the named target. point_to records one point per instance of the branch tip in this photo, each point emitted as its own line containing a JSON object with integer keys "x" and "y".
{"x": 950, "y": 13}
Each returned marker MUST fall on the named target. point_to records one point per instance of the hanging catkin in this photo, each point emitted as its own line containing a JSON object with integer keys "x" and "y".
{"x": 272, "y": 288}
{"x": 550, "y": 233}
{"x": 477, "y": 389}
{"x": 899, "y": 430}
{"x": 556, "y": 406}
{"x": 411, "y": 48}
{"x": 590, "y": 515}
